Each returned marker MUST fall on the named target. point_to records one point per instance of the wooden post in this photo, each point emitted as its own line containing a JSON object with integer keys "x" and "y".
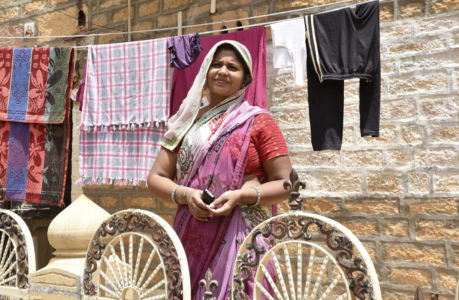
{"x": 213, "y": 6}
{"x": 129, "y": 20}
{"x": 179, "y": 23}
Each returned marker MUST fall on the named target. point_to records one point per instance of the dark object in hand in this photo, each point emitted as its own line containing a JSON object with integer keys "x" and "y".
{"x": 207, "y": 197}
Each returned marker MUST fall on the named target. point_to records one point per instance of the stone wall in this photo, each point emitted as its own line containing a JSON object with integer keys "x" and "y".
{"x": 399, "y": 193}
{"x": 51, "y": 17}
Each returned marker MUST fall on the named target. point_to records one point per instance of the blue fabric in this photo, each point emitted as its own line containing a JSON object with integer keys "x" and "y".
{"x": 16, "y": 176}
{"x": 19, "y": 92}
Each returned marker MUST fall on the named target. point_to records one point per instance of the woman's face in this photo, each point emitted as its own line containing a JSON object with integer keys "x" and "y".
{"x": 225, "y": 75}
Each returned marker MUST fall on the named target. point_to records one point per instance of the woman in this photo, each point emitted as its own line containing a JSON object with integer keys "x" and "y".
{"x": 217, "y": 141}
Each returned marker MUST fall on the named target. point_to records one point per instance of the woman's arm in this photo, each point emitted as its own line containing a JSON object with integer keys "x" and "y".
{"x": 277, "y": 170}
{"x": 161, "y": 183}
{"x": 160, "y": 180}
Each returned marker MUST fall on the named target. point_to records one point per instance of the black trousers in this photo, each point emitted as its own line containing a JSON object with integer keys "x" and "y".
{"x": 326, "y": 109}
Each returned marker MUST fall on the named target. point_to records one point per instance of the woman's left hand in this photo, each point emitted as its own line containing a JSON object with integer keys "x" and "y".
{"x": 223, "y": 205}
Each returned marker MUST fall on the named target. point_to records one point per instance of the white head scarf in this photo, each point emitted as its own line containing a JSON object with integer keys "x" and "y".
{"x": 179, "y": 124}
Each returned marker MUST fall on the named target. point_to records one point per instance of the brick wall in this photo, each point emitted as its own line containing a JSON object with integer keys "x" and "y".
{"x": 399, "y": 193}
{"x": 51, "y": 17}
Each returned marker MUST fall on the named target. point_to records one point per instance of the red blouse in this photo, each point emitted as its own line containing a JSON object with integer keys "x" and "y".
{"x": 266, "y": 142}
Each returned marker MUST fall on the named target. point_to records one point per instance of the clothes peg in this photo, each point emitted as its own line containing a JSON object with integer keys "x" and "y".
{"x": 213, "y": 6}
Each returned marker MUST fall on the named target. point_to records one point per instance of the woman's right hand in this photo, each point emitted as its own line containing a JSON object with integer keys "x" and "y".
{"x": 197, "y": 207}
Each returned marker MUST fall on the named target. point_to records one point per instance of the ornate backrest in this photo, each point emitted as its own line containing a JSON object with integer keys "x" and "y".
{"x": 136, "y": 254}
{"x": 17, "y": 254}
{"x": 300, "y": 255}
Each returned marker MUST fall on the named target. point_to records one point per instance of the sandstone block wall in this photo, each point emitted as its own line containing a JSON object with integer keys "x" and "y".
{"x": 399, "y": 193}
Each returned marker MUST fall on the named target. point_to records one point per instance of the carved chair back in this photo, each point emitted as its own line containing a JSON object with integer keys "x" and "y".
{"x": 300, "y": 255}
{"x": 17, "y": 255}
{"x": 136, "y": 254}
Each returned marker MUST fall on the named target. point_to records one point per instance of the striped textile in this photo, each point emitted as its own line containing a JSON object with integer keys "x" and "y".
{"x": 118, "y": 156}
{"x": 35, "y": 124}
{"x": 33, "y": 84}
{"x": 126, "y": 85}
{"x": 125, "y": 107}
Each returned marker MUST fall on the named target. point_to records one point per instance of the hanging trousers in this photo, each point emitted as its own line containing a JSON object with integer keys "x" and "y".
{"x": 342, "y": 44}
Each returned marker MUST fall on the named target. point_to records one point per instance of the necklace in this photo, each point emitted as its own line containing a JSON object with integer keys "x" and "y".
{"x": 204, "y": 102}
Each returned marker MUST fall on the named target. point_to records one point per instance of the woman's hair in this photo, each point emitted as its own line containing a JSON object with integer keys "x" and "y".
{"x": 247, "y": 74}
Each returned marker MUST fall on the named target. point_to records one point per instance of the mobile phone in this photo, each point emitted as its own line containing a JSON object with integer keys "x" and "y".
{"x": 207, "y": 197}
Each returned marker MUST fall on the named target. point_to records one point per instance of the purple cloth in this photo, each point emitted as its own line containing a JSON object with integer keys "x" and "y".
{"x": 255, "y": 40}
{"x": 184, "y": 50}
{"x": 80, "y": 93}
{"x": 206, "y": 242}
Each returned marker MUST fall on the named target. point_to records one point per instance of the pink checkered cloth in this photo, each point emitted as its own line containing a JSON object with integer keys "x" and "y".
{"x": 127, "y": 85}
{"x": 118, "y": 156}
{"x": 125, "y": 106}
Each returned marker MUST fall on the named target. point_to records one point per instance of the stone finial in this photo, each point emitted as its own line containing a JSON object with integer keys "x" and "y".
{"x": 72, "y": 229}
{"x": 69, "y": 233}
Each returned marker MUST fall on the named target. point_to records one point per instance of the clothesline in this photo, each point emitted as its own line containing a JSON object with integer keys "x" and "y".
{"x": 351, "y": 4}
{"x": 207, "y": 32}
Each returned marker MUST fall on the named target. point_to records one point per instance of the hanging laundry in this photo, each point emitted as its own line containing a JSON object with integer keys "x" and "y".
{"x": 184, "y": 50}
{"x": 289, "y": 47}
{"x": 30, "y": 81}
{"x": 126, "y": 85}
{"x": 343, "y": 44}
{"x": 35, "y": 125}
{"x": 80, "y": 93}
{"x": 119, "y": 156}
{"x": 125, "y": 106}
{"x": 254, "y": 39}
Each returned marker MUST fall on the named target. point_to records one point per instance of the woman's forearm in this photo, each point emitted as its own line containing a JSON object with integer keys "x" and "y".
{"x": 271, "y": 192}
{"x": 160, "y": 179}
{"x": 162, "y": 187}
{"x": 167, "y": 190}
{"x": 277, "y": 171}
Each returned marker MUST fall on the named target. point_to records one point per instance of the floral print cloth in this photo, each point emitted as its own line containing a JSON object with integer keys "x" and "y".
{"x": 35, "y": 123}
{"x": 34, "y": 84}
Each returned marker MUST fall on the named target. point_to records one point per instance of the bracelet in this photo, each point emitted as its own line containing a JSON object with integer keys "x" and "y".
{"x": 258, "y": 195}
{"x": 173, "y": 193}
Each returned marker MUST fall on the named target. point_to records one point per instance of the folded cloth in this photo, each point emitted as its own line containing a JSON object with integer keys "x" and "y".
{"x": 126, "y": 85}
{"x": 33, "y": 161}
{"x": 35, "y": 123}
{"x": 184, "y": 50}
{"x": 34, "y": 84}
{"x": 118, "y": 156}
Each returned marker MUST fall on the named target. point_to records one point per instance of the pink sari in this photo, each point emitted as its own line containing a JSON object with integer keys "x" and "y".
{"x": 217, "y": 162}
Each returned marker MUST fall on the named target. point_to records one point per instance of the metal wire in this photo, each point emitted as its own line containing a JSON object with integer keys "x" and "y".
{"x": 299, "y": 10}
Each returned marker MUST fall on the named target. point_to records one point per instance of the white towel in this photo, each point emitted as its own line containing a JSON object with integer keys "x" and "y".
{"x": 289, "y": 42}
{"x": 126, "y": 85}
